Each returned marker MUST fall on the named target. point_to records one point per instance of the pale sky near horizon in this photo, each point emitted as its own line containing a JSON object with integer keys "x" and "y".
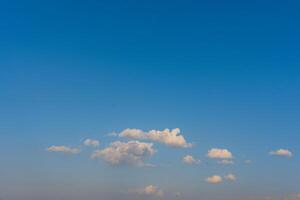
{"x": 156, "y": 100}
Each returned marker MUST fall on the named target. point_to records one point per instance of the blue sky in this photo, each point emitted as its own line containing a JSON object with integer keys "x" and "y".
{"x": 225, "y": 73}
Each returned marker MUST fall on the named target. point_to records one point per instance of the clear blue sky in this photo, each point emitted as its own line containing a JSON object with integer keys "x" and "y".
{"x": 227, "y": 73}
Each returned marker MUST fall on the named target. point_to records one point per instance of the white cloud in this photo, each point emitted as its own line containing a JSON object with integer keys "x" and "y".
{"x": 230, "y": 177}
{"x": 282, "y": 152}
{"x": 171, "y": 138}
{"x": 219, "y": 153}
{"x": 226, "y": 162}
{"x": 63, "y": 149}
{"x": 90, "y": 142}
{"x": 215, "y": 179}
{"x": 188, "y": 159}
{"x": 131, "y": 153}
{"x": 149, "y": 190}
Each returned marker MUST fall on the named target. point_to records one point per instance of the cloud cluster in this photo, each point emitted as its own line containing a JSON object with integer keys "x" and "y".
{"x": 219, "y": 153}
{"x": 248, "y": 162}
{"x": 225, "y": 162}
{"x": 281, "y": 152}
{"x": 131, "y": 153}
{"x": 171, "y": 138}
{"x": 150, "y": 190}
{"x": 63, "y": 149}
{"x": 90, "y": 142}
{"x": 216, "y": 179}
{"x": 190, "y": 160}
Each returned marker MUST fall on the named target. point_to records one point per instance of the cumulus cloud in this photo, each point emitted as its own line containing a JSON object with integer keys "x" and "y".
{"x": 90, "y": 142}
{"x": 230, "y": 177}
{"x": 219, "y": 153}
{"x": 188, "y": 159}
{"x": 215, "y": 179}
{"x": 171, "y": 138}
{"x": 281, "y": 152}
{"x": 131, "y": 153}
{"x": 149, "y": 190}
{"x": 63, "y": 149}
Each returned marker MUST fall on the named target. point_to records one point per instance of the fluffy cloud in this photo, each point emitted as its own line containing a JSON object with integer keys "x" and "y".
{"x": 150, "y": 190}
{"x": 215, "y": 179}
{"x": 230, "y": 177}
{"x": 188, "y": 159}
{"x": 168, "y": 137}
{"x": 131, "y": 153}
{"x": 90, "y": 142}
{"x": 282, "y": 152}
{"x": 226, "y": 162}
{"x": 219, "y": 153}
{"x": 63, "y": 149}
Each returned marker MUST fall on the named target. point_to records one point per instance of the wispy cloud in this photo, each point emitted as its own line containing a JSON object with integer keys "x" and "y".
{"x": 230, "y": 177}
{"x": 112, "y": 134}
{"x": 64, "y": 149}
{"x": 225, "y": 162}
{"x": 90, "y": 142}
{"x": 248, "y": 162}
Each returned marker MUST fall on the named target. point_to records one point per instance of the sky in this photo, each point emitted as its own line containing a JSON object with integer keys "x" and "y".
{"x": 149, "y": 100}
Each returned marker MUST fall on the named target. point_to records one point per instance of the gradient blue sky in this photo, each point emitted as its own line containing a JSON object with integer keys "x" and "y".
{"x": 225, "y": 72}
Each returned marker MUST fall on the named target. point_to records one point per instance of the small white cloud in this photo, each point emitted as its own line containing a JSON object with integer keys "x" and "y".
{"x": 215, "y": 179}
{"x": 225, "y": 162}
{"x": 281, "y": 152}
{"x": 131, "y": 153}
{"x": 219, "y": 153}
{"x": 171, "y": 138}
{"x": 63, "y": 149}
{"x": 230, "y": 177}
{"x": 188, "y": 159}
{"x": 90, "y": 142}
{"x": 149, "y": 190}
